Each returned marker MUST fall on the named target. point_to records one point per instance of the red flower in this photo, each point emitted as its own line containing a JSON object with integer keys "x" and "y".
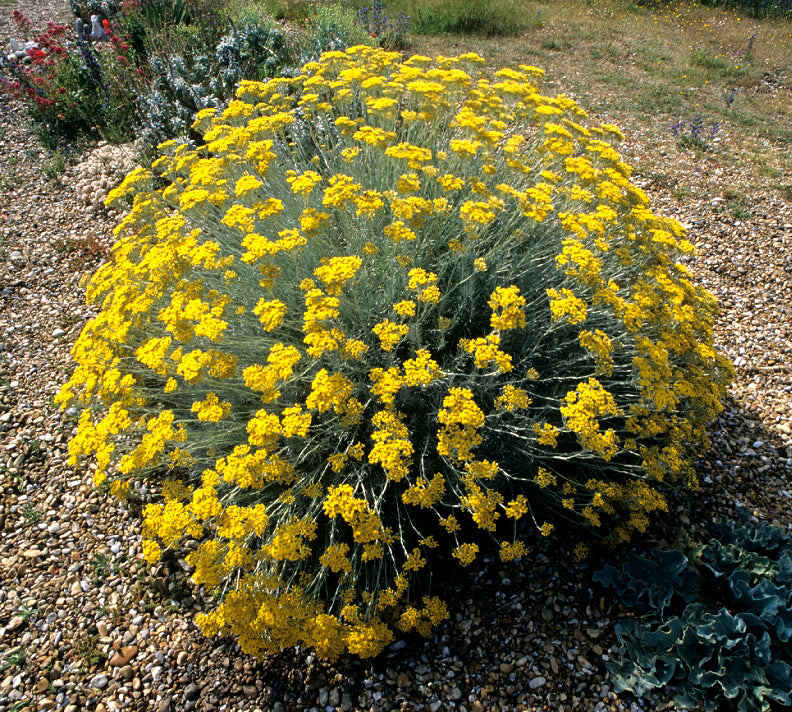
{"x": 22, "y": 23}
{"x": 55, "y": 30}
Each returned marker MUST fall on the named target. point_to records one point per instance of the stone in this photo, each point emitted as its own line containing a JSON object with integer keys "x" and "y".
{"x": 536, "y": 682}
{"x": 124, "y": 656}
{"x": 14, "y": 623}
{"x": 403, "y": 681}
{"x": 99, "y": 681}
{"x": 127, "y": 672}
{"x": 249, "y": 691}
{"x": 192, "y": 691}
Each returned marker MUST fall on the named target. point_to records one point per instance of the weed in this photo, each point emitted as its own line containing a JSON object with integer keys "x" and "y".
{"x": 14, "y": 659}
{"x": 25, "y": 612}
{"x": 87, "y": 650}
{"x": 34, "y": 447}
{"x": 657, "y": 179}
{"x": 766, "y": 169}
{"x": 88, "y": 246}
{"x": 556, "y": 45}
{"x": 101, "y": 564}
{"x": 53, "y": 165}
{"x": 31, "y": 513}
{"x": 608, "y": 51}
{"x": 785, "y": 189}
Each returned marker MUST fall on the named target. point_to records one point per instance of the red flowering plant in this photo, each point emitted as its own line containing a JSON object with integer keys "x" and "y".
{"x": 72, "y": 86}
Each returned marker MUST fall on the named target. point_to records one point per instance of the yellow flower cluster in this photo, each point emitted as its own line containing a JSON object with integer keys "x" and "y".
{"x": 588, "y": 402}
{"x": 443, "y": 309}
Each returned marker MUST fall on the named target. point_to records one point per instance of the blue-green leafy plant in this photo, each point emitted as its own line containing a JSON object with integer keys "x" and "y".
{"x": 728, "y": 647}
{"x": 183, "y": 85}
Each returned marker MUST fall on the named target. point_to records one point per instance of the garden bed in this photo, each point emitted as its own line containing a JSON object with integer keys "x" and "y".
{"x": 87, "y": 624}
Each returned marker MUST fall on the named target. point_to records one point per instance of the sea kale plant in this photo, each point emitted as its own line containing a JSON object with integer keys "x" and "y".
{"x": 184, "y": 84}
{"x": 388, "y": 311}
{"x": 716, "y": 623}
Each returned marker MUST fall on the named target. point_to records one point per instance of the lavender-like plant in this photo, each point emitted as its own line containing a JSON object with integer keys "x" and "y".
{"x": 374, "y": 20}
{"x": 692, "y": 133}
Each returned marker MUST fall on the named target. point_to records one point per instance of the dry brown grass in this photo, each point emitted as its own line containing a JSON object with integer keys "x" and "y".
{"x": 645, "y": 68}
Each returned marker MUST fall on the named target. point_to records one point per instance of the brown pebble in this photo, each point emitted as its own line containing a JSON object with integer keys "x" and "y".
{"x": 123, "y": 657}
{"x": 403, "y": 681}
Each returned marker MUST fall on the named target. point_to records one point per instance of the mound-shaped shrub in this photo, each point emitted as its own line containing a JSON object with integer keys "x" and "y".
{"x": 388, "y": 312}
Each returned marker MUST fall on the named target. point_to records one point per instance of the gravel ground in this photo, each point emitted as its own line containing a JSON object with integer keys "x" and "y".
{"x": 85, "y": 624}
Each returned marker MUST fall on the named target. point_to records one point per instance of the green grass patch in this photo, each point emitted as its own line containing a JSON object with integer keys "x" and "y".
{"x": 254, "y": 10}
{"x": 717, "y": 66}
{"x": 556, "y": 44}
{"x": 475, "y": 17}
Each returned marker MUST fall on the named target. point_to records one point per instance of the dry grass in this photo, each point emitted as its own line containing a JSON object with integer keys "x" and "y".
{"x": 645, "y": 68}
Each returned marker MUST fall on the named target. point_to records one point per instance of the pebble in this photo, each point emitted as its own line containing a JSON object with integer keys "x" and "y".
{"x": 99, "y": 681}
{"x": 192, "y": 691}
{"x": 536, "y": 682}
{"x": 124, "y": 656}
{"x": 14, "y": 623}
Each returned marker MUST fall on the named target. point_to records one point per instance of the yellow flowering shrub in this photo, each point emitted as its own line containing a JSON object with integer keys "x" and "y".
{"x": 388, "y": 310}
